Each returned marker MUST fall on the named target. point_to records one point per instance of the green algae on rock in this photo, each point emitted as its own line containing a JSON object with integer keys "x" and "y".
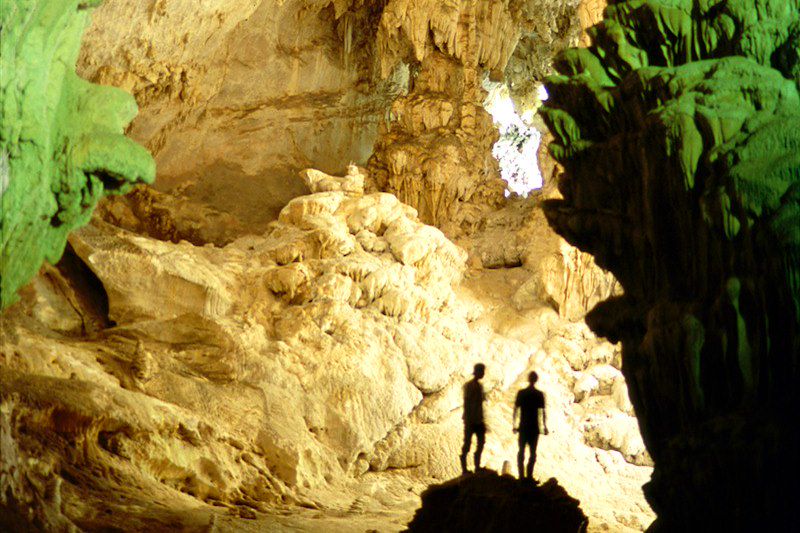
{"x": 62, "y": 145}
{"x": 679, "y": 133}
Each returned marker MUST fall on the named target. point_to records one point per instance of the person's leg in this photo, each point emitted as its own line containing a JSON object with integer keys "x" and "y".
{"x": 481, "y": 434}
{"x": 465, "y": 448}
{"x": 533, "y": 440}
{"x": 521, "y": 455}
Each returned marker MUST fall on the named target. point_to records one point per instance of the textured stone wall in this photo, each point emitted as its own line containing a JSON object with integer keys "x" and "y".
{"x": 61, "y": 142}
{"x": 315, "y": 364}
{"x": 679, "y": 131}
{"x": 236, "y": 97}
{"x": 436, "y": 153}
{"x": 590, "y": 13}
{"x": 435, "y": 150}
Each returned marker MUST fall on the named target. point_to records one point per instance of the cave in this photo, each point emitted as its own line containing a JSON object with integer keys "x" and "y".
{"x": 252, "y": 252}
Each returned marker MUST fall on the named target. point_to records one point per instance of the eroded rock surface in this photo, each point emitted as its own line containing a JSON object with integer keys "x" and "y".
{"x": 294, "y": 368}
{"x": 61, "y": 138}
{"x": 225, "y": 353}
{"x": 236, "y": 97}
{"x": 678, "y": 129}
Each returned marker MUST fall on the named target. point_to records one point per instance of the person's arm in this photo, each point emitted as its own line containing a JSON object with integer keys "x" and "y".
{"x": 543, "y": 417}
{"x": 514, "y": 425}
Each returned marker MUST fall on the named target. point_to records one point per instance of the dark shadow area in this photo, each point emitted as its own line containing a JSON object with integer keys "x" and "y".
{"x": 488, "y": 502}
{"x": 85, "y": 292}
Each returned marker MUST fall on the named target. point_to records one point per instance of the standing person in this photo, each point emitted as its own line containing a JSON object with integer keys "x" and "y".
{"x": 530, "y": 404}
{"x": 473, "y": 417}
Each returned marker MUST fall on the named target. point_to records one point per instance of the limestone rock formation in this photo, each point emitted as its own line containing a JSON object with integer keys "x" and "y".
{"x": 590, "y": 13}
{"x": 553, "y": 27}
{"x": 282, "y": 369}
{"x": 488, "y": 502}
{"x": 236, "y": 97}
{"x": 679, "y": 131}
{"x": 225, "y": 349}
{"x": 436, "y": 151}
{"x": 61, "y": 138}
{"x": 259, "y": 91}
{"x": 558, "y": 274}
{"x": 352, "y": 182}
{"x": 170, "y": 217}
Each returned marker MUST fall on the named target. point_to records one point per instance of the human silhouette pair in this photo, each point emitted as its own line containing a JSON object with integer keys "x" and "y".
{"x": 529, "y": 403}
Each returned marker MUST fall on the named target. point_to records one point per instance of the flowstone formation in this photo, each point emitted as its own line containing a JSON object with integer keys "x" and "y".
{"x": 61, "y": 138}
{"x": 679, "y": 130}
{"x": 434, "y": 151}
{"x": 236, "y": 97}
{"x": 316, "y": 366}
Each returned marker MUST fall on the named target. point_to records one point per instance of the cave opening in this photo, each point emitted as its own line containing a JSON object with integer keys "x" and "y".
{"x": 517, "y": 146}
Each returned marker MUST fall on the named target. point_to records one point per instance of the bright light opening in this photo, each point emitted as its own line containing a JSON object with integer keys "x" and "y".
{"x": 518, "y": 144}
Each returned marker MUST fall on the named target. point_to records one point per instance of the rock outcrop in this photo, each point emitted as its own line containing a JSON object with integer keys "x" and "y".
{"x": 679, "y": 131}
{"x": 61, "y": 138}
{"x": 229, "y": 348}
{"x": 236, "y": 97}
{"x": 486, "y": 502}
{"x": 259, "y": 91}
{"x": 435, "y": 150}
{"x": 282, "y": 368}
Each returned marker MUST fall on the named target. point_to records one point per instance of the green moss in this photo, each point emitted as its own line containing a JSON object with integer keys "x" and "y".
{"x": 62, "y": 145}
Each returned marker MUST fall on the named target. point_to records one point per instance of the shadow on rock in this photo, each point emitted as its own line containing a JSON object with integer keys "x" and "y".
{"x": 488, "y": 502}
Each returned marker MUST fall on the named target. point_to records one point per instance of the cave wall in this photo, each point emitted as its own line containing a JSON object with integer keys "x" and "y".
{"x": 237, "y": 97}
{"x": 318, "y": 363}
{"x": 61, "y": 142}
{"x": 679, "y": 131}
{"x": 158, "y": 385}
{"x": 590, "y": 13}
{"x": 434, "y": 152}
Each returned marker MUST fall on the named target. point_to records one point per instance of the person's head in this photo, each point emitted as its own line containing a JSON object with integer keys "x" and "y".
{"x": 479, "y": 370}
{"x": 533, "y": 377}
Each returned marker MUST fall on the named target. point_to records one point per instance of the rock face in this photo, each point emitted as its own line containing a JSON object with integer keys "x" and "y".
{"x": 435, "y": 151}
{"x": 590, "y": 13}
{"x": 311, "y": 344}
{"x": 679, "y": 130}
{"x": 554, "y": 27}
{"x": 236, "y": 97}
{"x": 487, "y": 502}
{"x": 61, "y": 140}
{"x": 227, "y": 348}
{"x": 283, "y": 368}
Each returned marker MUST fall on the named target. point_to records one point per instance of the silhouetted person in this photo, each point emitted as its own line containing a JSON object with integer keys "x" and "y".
{"x": 473, "y": 417}
{"x": 530, "y": 404}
